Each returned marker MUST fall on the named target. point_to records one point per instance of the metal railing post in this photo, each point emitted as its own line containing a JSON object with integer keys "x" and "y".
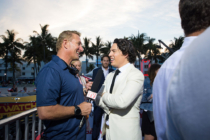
{"x": 26, "y": 127}
{"x": 17, "y": 129}
{"x": 33, "y": 125}
{"x": 7, "y": 132}
{"x": 40, "y": 127}
{"x": 5, "y": 123}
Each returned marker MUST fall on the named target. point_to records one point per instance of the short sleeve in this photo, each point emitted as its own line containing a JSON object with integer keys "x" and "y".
{"x": 48, "y": 84}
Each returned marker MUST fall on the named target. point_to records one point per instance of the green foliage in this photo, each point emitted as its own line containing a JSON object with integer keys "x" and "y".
{"x": 139, "y": 44}
{"x": 96, "y": 48}
{"x": 42, "y": 45}
{"x": 153, "y": 53}
{"x": 106, "y": 48}
{"x": 47, "y": 43}
{"x": 177, "y": 44}
{"x": 87, "y": 50}
{"x": 90, "y": 68}
{"x": 15, "y": 67}
{"x": 11, "y": 46}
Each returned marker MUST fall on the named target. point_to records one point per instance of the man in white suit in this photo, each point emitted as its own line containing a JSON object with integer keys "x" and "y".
{"x": 121, "y": 94}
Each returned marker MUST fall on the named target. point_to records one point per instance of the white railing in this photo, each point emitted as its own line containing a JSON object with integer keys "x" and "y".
{"x": 19, "y": 118}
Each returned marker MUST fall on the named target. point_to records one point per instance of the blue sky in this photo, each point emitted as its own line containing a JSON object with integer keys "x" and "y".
{"x": 110, "y": 19}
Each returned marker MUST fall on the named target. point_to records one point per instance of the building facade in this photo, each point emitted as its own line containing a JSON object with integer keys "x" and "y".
{"x": 27, "y": 72}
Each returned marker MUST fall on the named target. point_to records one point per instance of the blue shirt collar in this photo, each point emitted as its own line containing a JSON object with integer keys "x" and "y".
{"x": 59, "y": 61}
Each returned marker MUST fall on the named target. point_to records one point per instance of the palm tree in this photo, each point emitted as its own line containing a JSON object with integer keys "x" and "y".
{"x": 4, "y": 50}
{"x": 16, "y": 68}
{"x": 153, "y": 52}
{"x": 32, "y": 53}
{"x": 106, "y": 49}
{"x": 177, "y": 44}
{"x": 96, "y": 48}
{"x": 14, "y": 48}
{"x": 91, "y": 67}
{"x": 46, "y": 40}
{"x": 52, "y": 47}
{"x": 138, "y": 42}
{"x": 87, "y": 51}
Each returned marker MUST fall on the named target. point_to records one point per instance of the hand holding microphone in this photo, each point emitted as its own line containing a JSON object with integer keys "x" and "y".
{"x": 85, "y": 108}
{"x": 91, "y": 95}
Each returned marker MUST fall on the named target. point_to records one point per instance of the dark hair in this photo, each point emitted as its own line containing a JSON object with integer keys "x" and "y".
{"x": 195, "y": 15}
{"x": 105, "y": 55}
{"x": 127, "y": 48}
{"x": 152, "y": 72}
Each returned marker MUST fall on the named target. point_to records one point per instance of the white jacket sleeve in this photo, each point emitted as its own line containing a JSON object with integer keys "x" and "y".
{"x": 131, "y": 91}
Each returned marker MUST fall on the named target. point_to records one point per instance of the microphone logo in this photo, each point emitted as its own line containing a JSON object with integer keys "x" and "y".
{"x": 91, "y": 95}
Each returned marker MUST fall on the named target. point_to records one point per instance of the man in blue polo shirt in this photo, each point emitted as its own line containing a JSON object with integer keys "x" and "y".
{"x": 60, "y": 98}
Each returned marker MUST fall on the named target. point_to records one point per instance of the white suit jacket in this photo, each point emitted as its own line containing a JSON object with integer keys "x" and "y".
{"x": 122, "y": 105}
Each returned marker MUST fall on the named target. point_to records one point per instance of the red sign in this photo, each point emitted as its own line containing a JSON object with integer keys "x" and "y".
{"x": 10, "y": 109}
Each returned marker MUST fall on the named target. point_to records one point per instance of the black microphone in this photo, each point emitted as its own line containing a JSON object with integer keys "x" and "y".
{"x": 91, "y": 95}
{"x": 94, "y": 89}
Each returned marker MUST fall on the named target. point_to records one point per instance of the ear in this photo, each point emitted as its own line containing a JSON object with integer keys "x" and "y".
{"x": 126, "y": 56}
{"x": 64, "y": 44}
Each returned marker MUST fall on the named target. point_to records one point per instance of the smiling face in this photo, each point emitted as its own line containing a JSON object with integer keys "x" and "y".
{"x": 74, "y": 47}
{"x": 77, "y": 64}
{"x": 117, "y": 58}
{"x": 105, "y": 62}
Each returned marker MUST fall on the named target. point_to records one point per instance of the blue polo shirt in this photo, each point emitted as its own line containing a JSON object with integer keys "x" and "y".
{"x": 56, "y": 85}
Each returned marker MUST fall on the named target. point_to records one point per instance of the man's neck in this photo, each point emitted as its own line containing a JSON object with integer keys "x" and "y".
{"x": 123, "y": 65}
{"x": 105, "y": 68}
{"x": 64, "y": 57}
{"x": 197, "y": 33}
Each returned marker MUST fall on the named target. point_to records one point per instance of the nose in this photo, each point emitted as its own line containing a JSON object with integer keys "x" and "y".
{"x": 81, "y": 49}
{"x": 110, "y": 53}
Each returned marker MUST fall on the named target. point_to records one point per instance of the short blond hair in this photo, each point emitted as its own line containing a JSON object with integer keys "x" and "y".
{"x": 75, "y": 60}
{"x": 65, "y": 35}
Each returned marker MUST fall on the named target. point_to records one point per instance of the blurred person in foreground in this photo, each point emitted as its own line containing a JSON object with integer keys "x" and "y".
{"x": 60, "y": 98}
{"x": 121, "y": 94}
{"x": 188, "y": 112}
{"x": 195, "y": 18}
{"x": 98, "y": 111}
{"x": 148, "y": 128}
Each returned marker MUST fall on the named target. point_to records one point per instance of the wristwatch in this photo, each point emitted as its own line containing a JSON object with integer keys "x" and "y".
{"x": 77, "y": 110}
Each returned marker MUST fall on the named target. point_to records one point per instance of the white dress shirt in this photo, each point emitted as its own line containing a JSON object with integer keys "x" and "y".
{"x": 160, "y": 87}
{"x": 188, "y": 94}
{"x": 106, "y": 72}
{"x": 121, "y": 69}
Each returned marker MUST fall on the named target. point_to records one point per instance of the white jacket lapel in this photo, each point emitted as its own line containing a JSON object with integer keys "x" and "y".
{"x": 122, "y": 78}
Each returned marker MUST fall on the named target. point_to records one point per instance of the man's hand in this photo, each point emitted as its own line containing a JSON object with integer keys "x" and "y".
{"x": 151, "y": 96}
{"x": 88, "y": 85}
{"x": 85, "y": 108}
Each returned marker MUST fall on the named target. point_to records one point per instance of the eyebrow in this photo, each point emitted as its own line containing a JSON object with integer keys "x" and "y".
{"x": 112, "y": 49}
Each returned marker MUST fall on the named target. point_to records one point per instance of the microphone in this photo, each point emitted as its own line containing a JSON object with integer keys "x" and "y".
{"x": 94, "y": 89}
{"x": 92, "y": 93}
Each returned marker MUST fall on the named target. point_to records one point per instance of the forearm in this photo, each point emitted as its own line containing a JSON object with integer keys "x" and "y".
{"x": 101, "y": 104}
{"x": 55, "y": 112}
{"x": 130, "y": 93}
